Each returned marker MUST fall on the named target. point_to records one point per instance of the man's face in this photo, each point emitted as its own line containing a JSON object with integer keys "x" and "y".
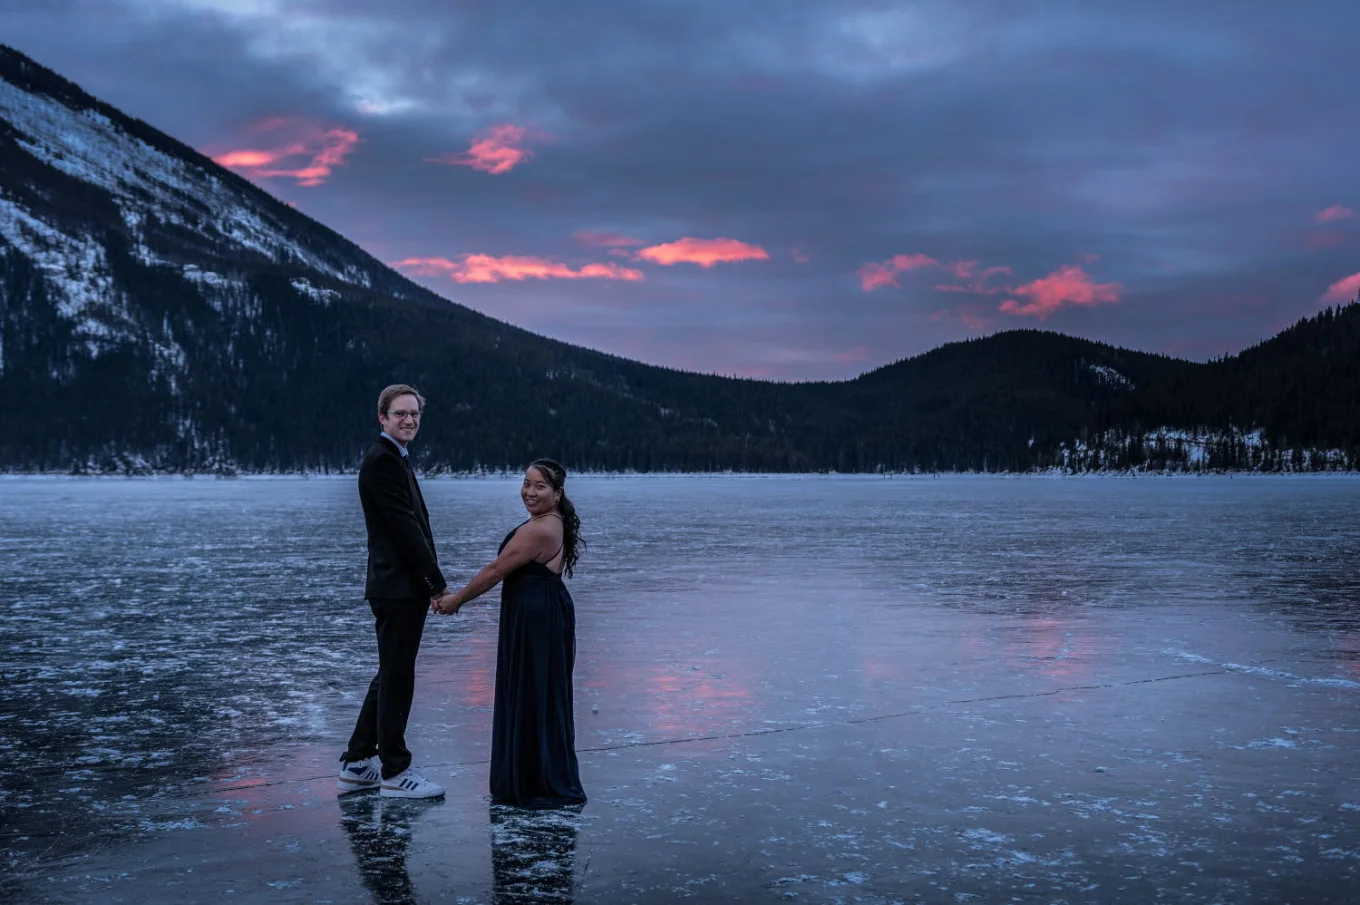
{"x": 402, "y": 419}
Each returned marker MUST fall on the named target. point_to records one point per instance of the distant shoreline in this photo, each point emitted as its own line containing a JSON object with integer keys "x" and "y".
{"x": 713, "y": 475}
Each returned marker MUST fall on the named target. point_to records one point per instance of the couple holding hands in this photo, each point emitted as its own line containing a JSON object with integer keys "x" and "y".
{"x": 533, "y": 745}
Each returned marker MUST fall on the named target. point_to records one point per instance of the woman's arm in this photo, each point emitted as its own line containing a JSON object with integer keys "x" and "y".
{"x": 529, "y": 542}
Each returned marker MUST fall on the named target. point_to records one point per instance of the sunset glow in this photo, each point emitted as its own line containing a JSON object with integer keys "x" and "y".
{"x": 973, "y": 278}
{"x": 322, "y": 151}
{"x": 1344, "y": 289}
{"x": 1335, "y": 212}
{"x": 495, "y": 150}
{"x": 704, "y": 252}
{"x": 875, "y": 276}
{"x": 490, "y": 269}
{"x": 1066, "y": 286}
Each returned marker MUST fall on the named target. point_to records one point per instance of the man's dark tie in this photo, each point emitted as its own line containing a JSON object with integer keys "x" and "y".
{"x": 411, "y": 477}
{"x": 416, "y": 496}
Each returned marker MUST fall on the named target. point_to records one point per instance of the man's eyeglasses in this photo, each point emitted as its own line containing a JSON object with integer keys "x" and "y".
{"x": 402, "y": 416}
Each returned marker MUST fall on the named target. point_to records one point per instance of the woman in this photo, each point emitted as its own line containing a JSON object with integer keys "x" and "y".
{"x": 533, "y": 736}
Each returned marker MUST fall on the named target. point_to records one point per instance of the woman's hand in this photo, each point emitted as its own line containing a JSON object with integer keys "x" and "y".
{"x": 525, "y": 547}
{"x": 444, "y": 604}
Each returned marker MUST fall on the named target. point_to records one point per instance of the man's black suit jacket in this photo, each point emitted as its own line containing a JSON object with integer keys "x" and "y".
{"x": 401, "y": 560}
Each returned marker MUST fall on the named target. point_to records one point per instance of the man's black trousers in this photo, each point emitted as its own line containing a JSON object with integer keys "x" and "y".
{"x": 381, "y": 727}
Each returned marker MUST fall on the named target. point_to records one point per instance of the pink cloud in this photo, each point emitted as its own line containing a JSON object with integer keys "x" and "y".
{"x": 592, "y": 239}
{"x": 799, "y": 256}
{"x": 704, "y": 252}
{"x": 1344, "y": 289}
{"x": 875, "y": 276}
{"x": 426, "y": 267}
{"x": 1066, "y": 286}
{"x": 1335, "y": 212}
{"x": 495, "y": 150}
{"x": 490, "y": 269}
{"x": 976, "y": 280}
{"x": 247, "y": 159}
{"x": 322, "y": 149}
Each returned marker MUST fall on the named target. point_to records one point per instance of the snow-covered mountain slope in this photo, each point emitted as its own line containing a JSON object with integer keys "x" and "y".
{"x": 147, "y": 184}
{"x": 170, "y": 206}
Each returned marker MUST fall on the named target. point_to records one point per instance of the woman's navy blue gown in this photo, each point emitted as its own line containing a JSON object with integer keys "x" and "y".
{"x": 533, "y": 732}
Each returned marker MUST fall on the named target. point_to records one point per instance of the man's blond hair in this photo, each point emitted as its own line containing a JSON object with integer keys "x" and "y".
{"x": 398, "y": 389}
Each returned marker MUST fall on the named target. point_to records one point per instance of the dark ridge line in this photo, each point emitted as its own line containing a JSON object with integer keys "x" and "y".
{"x": 798, "y": 728}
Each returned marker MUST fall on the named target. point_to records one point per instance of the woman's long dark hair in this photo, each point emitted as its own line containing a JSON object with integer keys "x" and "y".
{"x": 572, "y": 542}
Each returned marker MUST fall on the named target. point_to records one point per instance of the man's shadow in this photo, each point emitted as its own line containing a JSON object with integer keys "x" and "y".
{"x": 379, "y": 831}
{"x": 533, "y": 854}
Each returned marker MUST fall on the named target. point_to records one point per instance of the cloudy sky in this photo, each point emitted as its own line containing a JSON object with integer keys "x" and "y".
{"x": 780, "y": 188}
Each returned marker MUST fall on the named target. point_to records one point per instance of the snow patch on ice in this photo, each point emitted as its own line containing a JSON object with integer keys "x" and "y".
{"x": 150, "y": 826}
{"x": 983, "y": 835}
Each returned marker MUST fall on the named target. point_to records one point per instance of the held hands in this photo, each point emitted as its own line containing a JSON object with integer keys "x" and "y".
{"x": 443, "y": 603}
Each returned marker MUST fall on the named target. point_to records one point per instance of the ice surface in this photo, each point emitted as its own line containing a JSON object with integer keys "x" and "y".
{"x": 810, "y": 689}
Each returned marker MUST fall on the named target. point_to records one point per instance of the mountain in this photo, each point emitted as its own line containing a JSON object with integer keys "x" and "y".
{"x": 158, "y": 312}
{"x": 1302, "y": 387}
{"x": 171, "y": 311}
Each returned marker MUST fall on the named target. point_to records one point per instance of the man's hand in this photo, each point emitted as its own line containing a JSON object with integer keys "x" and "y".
{"x": 442, "y": 603}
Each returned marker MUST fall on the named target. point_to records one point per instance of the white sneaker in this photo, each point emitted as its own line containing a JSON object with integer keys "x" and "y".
{"x": 357, "y": 775}
{"x": 409, "y": 784}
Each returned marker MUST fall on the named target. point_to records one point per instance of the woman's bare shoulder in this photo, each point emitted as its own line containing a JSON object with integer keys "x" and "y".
{"x": 543, "y": 529}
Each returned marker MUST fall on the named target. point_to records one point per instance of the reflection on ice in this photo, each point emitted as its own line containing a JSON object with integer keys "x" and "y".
{"x": 533, "y": 855}
{"x": 379, "y": 832}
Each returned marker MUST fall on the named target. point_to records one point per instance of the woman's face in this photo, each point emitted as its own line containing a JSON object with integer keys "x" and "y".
{"x": 538, "y": 495}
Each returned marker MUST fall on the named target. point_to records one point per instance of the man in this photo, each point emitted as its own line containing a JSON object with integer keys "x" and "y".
{"x": 403, "y": 575}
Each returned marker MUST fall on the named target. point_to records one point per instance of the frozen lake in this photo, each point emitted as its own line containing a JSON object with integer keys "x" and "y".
{"x": 829, "y": 689}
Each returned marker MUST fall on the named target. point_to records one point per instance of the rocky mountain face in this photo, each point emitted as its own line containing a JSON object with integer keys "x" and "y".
{"x": 88, "y": 190}
{"x": 160, "y": 313}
